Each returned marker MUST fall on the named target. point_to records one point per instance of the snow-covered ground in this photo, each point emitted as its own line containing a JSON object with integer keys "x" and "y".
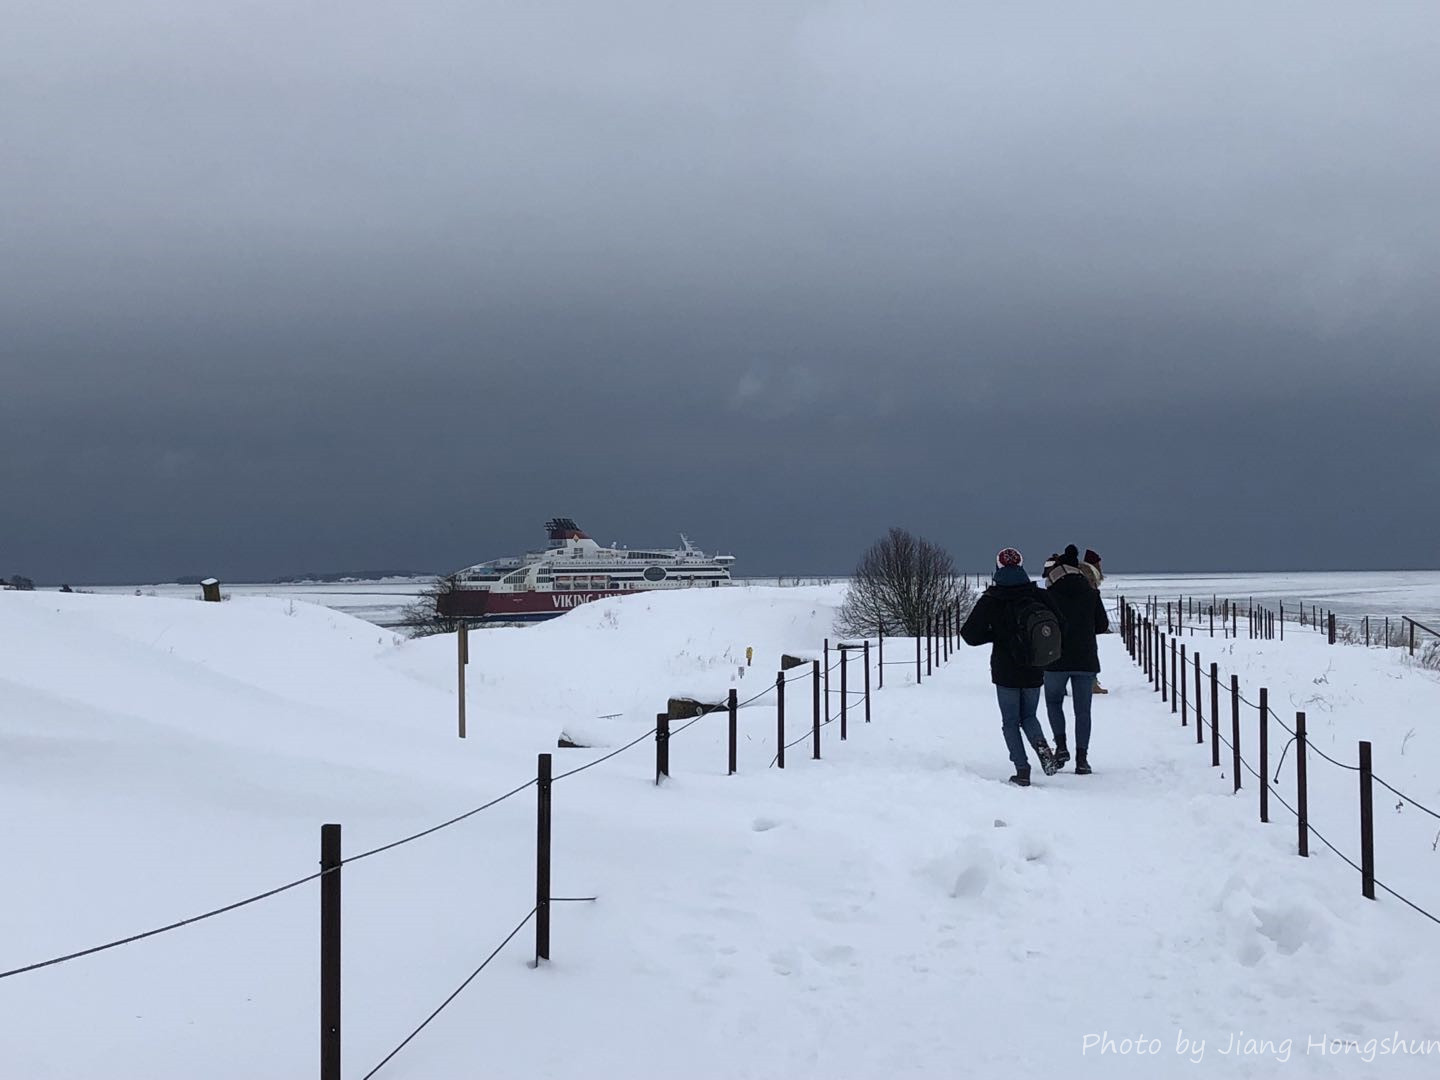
{"x": 895, "y": 909}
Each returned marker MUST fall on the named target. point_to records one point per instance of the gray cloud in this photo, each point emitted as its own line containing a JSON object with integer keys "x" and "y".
{"x": 360, "y": 285}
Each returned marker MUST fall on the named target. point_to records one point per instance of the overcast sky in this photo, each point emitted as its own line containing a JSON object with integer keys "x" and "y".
{"x": 317, "y": 286}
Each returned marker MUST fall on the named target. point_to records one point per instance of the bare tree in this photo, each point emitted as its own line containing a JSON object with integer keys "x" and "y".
{"x": 901, "y": 583}
{"x": 423, "y": 618}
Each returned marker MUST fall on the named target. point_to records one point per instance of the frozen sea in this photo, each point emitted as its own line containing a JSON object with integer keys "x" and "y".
{"x": 1350, "y": 594}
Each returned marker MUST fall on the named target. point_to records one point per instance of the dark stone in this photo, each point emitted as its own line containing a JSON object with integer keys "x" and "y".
{"x": 681, "y": 708}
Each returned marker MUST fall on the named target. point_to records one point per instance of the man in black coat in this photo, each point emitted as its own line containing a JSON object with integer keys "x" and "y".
{"x": 993, "y": 621}
{"x": 1082, "y": 616}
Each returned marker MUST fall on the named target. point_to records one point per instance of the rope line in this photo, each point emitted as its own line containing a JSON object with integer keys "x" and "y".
{"x": 236, "y": 905}
{"x": 1407, "y": 798}
{"x": 607, "y": 757}
{"x": 165, "y": 929}
{"x": 456, "y": 993}
{"x": 443, "y": 825}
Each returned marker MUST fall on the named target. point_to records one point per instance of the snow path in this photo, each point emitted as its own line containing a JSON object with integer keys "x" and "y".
{"x": 901, "y": 931}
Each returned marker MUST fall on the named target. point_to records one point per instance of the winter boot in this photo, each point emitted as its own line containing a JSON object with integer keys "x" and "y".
{"x": 1021, "y": 777}
{"x": 1047, "y": 758}
{"x": 1062, "y": 753}
{"x": 1082, "y": 763}
{"x": 1098, "y": 689}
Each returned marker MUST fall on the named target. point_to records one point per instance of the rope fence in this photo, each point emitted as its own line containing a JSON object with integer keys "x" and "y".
{"x": 1153, "y": 647}
{"x": 936, "y": 644}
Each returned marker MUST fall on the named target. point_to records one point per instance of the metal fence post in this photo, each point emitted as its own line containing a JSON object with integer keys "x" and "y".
{"x": 815, "y": 709}
{"x": 542, "y": 859}
{"x": 880, "y": 661}
{"x": 917, "y": 665}
{"x": 732, "y": 706}
{"x": 662, "y": 746}
{"x": 929, "y": 645}
{"x": 1215, "y": 715}
{"x": 1174, "y": 705}
{"x": 826, "y": 676}
{"x": 1199, "y": 709}
{"x": 866, "y": 656}
{"x": 1302, "y": 799}
{"x": 1235, "y": 728}
{"x": 780, "y": 717}
{"x": 330, "y": 863}
{"x": 1367, "y": 826}
{"x": 1184, "y": 681}
{"x": 844, "y": 690}
{"x": 1264, "y": 754}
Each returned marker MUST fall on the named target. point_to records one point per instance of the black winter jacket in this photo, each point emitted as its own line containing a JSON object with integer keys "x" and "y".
{"x": 992, "y": 622}
{"x": 1082, "y": 616}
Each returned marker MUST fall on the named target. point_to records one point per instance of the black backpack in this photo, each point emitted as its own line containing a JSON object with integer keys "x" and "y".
{"x": 1037, "y": 633}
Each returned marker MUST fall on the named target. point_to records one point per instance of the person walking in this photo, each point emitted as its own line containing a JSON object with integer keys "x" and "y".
{"x": 1090, "y": 564}
{"x": 1082, "y": 614}
{"x": 1020, "y": 624}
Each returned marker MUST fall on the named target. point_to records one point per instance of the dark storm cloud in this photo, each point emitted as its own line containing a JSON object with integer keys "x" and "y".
{"x": 340, "y": 285}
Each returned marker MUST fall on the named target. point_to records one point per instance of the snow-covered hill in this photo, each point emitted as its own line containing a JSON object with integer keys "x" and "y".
{"x": 893, "y": 910}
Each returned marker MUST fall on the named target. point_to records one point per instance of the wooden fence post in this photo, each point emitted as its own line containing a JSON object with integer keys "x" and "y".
{"x": 1367, "y": 826}
{"x": 844, "y": 691}
{"x": 1302, "y": 800}
{"x": 1331, "y": 628}
{"x": 732, "y": 707}
{"x": 542, "y": 856}
{"x": 462, "y": 657}
{"x": 917, "y": 664}
{"x": 1264, "y": 754}
{"x": 330, "y": 985}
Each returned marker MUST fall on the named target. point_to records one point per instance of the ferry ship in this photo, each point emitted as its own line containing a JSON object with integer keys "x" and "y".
{"x": 571, "y": 570}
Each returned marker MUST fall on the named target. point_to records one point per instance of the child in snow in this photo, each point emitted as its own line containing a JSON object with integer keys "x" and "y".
{"x": 1082, "y": 613}
{"x": 995, "y": 620}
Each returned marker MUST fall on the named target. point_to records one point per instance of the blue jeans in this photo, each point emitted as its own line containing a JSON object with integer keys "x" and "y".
{"x": 1017, "y": 710}
{"x": 1082, "y": 688}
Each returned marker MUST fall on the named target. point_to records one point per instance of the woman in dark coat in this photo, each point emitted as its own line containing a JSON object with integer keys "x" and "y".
{"x": 1082, "y": 615}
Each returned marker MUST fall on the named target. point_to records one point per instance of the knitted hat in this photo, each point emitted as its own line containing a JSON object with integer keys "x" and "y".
{"x": 1091, "y": 557}
{"x": 1009, "y": 557}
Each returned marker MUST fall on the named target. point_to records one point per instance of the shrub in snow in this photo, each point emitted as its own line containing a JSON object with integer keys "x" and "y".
{"x": 902, "y": 581}
{"x": 422, "y": 617}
